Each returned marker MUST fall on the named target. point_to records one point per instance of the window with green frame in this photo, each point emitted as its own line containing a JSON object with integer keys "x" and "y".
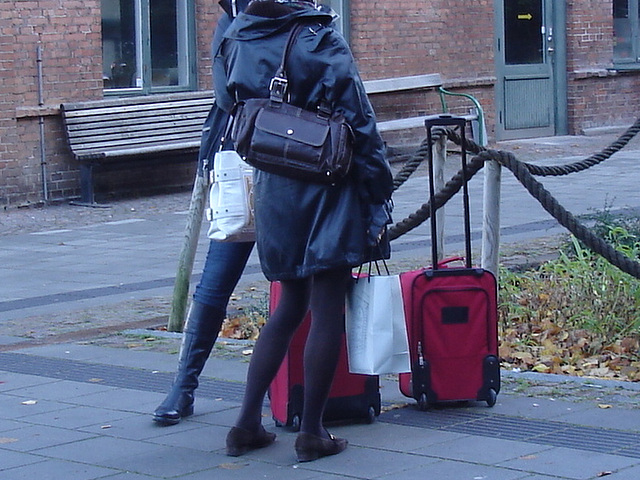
{"x": 148, "y": 45}
{"x": 626, "y": 26}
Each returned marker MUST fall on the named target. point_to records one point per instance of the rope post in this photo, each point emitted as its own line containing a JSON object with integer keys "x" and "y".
{"x": 439, "y": 159}
{"x": 187, "y": 255}
{"x": 491, "y": 217}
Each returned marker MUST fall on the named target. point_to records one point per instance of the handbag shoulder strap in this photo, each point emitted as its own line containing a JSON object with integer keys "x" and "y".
{"x": 279, "y": 83}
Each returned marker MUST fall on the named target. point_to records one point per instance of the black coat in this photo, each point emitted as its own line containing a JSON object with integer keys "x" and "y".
{"x": 305, "y": 228}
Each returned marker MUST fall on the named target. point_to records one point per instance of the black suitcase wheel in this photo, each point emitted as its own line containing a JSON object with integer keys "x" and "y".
{"x": 423, "y": 403}
{"x": 371, "y": 414}
{"x": 492, "y": 397}
{"x": 295, "y": 423}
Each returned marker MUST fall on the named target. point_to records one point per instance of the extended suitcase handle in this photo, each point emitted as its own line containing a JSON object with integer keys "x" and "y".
{"x": 438, "y": 121}
{"x": 444, "y": 120}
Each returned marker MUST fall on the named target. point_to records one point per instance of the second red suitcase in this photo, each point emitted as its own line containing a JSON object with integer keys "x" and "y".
{"x": 452, "y": 326}
{"x": 352, "y": 398}
{"x": 452, "y": 320}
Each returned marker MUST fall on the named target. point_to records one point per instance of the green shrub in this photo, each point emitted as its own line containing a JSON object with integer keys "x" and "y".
{"x": 573, "y": 307}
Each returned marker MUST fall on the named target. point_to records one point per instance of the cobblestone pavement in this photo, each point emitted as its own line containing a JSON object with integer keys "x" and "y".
{"x": 100, "y": 326}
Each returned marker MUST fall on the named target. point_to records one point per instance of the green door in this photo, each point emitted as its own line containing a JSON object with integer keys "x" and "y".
{"x": 527, "y": 89}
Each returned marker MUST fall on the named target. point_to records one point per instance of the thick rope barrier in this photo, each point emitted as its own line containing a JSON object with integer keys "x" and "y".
{"x": 565, "y": 218}
{"x": 524, "y": 172}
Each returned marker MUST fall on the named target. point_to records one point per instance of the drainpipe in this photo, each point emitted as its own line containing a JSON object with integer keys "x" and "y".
{"x": 43, "y": 154}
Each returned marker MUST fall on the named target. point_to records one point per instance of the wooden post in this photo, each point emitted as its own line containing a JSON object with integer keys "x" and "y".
{"x": 439, "y": 159}
{"x": 187, "y": 255}
{"x": 491, "y": 217}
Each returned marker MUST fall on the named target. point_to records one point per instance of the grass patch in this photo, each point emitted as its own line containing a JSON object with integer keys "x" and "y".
{"x": 577, "y": 314}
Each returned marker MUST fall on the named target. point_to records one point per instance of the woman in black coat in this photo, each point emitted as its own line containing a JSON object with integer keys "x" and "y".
{"x": 309, "y": 236}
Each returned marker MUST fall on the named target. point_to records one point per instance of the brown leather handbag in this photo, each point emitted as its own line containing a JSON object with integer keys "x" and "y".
{"x": 277, "y": 137}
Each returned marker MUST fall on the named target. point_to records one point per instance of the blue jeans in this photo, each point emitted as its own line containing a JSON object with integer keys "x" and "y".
{"x": 223, "y": 267}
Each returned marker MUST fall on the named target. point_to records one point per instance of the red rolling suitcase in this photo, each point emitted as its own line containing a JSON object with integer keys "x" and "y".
{"x": 353, "y": 397}
{"x": 452, "y": 318}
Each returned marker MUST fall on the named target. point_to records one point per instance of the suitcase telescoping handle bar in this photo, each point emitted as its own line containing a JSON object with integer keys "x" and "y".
{"x": 445, "y": 120}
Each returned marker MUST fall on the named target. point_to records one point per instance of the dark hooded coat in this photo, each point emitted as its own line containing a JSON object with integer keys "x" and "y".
{"x": 304, "y": 228}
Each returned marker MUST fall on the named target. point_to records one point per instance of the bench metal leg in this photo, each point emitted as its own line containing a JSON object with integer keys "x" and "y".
{"x": 86, "y": 183}
{"x": 87, "y": 195}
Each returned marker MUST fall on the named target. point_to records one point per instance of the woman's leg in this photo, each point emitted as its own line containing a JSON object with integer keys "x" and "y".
{"x": 320, "y": 359}
{"x": 222, "y": 270}
{"x": 270, "y": 350}
{"x": 323, "y": 345}
{"x": 223, "y": 267}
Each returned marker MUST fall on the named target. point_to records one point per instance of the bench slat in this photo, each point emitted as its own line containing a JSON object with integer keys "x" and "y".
{"x": 140, "y": 125}
{"x": 123, "y": 151}
{"x": 415, "y": 82}
{"x": 140, "y": 100}
{"x": 178, "y": 138}
{"x": 411, "y": 122}
{"x": 186, "y": 147}
{"x": 114, "y": 128}
{"x": 138, "y": 109}
{"x": 130, "y": 115}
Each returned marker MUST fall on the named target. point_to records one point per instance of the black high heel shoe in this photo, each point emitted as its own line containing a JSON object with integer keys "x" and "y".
{"x": 241, "y": 441}
{"x": 311, "y": 447}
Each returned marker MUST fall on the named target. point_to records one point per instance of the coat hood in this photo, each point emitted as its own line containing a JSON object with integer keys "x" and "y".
{"x": 251, "y": 27}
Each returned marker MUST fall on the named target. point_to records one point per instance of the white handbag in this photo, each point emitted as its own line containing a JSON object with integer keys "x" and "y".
{"x": 230, "y": 211}
{"x": 377, "y": 342}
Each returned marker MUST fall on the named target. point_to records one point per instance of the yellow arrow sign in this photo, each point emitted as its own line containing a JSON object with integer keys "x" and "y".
{"x": 525, "y": 16}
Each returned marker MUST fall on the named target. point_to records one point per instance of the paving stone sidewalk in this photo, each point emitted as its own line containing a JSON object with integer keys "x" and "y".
{"x": 79, "y": 375}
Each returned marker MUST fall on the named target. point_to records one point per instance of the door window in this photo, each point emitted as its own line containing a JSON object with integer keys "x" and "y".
{"x": 146, "y": 45}
{"x": 523, "y": 24}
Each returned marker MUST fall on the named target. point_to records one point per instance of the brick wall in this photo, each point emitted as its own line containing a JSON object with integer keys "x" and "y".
{"x": 68, "y": 33}
{"x": 589, "y": 34}
{"x": 597, "y": 95}
{"x": 412, "y": 37}
{"x": 389, "y": 38}
{"x": 407, "y": 37}
{"x": 207, "y": 13}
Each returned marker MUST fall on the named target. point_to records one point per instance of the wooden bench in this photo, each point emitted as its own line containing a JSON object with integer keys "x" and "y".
{"x": 424, "y": 82}
{"x": 113, "y": 131}
{"x": 116, "y": 131}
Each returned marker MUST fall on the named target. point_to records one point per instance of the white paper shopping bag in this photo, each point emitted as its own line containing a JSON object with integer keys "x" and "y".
{"x": 377, "y": 341}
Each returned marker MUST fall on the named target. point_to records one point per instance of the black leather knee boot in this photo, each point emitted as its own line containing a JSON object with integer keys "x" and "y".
{"x": 200, "y": 333}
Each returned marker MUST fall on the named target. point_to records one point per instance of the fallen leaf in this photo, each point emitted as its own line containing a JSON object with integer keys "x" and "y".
{"x": 5, "y": 440}
{"x": 105, "y": 426}
{"x": 96, "y": 380}
{"x": 541, "y": 368}
{"x": 604, "y": 474}
{"x": 29, "y": 402}
{"x": 604, "y": 406}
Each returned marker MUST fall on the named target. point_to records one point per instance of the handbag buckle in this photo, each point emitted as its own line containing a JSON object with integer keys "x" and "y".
{"x": 278, "y": 88}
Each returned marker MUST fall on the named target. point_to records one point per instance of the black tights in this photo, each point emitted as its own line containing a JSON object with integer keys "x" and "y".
{"x": 324, "y": 294}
